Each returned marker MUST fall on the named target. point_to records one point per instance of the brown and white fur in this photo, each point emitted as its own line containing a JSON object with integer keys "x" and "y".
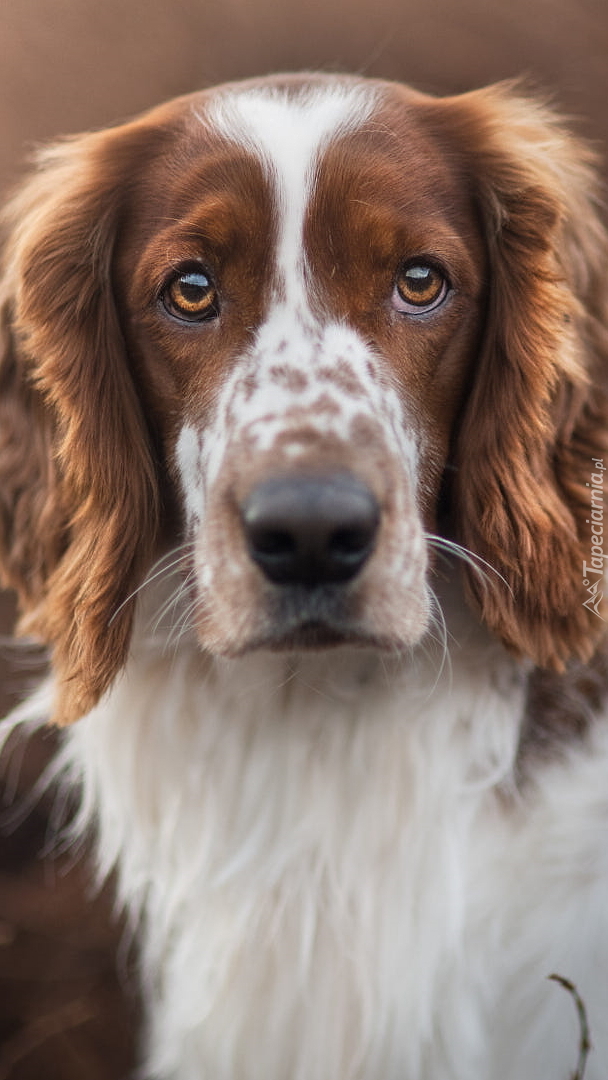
{"x": 302, "y": 409}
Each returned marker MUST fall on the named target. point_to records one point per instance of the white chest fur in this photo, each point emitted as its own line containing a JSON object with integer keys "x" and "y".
{"x": 334, "y": 876}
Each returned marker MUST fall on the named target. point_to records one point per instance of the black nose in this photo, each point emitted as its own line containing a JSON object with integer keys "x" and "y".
{"x": 310, "y": 531}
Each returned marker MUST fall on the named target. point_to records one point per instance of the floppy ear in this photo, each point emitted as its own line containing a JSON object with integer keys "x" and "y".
{"x": 533, "y": 440}
{"x": 78, "y": 493}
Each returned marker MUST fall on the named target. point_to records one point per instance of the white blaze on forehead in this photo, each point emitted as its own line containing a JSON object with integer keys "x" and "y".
{"x": 289, "y": 133}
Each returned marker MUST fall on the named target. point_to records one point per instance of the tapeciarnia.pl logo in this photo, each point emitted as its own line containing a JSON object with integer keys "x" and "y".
{"x": 593, "y": 571}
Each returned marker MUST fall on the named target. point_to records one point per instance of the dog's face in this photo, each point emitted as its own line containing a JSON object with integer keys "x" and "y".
{"x": 293, "y": 327}
{"x": 302, "y": 306}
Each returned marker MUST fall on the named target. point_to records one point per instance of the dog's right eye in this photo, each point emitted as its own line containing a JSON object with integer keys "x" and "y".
{"x": 191, "y": 296}
{"x": 420, "y": 287}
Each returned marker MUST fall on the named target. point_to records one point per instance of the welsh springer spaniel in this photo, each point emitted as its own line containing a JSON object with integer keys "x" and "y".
{"x": 303, "y": 431}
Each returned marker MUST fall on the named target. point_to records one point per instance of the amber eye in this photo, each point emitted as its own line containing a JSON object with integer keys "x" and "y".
{"x": 191, "y": 296}
{"x": 419, "y": 287}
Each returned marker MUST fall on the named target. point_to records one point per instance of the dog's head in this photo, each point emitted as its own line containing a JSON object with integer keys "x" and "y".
{"x": 300, "y": 326}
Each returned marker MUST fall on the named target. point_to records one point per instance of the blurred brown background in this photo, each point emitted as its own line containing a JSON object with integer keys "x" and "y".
{"x": 67, "y": 1009}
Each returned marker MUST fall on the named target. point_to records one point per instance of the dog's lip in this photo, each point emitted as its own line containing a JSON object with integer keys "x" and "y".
{"x": 313, "y": 636}
{"x": 308, "y": 619}
{"x": 309, "y": 635}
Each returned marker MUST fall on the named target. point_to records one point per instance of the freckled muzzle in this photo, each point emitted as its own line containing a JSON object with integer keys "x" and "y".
{"x": 309, "y": 533}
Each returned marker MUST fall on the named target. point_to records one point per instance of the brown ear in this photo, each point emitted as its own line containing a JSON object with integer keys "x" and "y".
{"x": 78, "y": 494}
{"x": 535, "y": 426}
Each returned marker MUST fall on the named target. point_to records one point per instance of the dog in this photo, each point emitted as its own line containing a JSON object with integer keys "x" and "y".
{"x": 303, "y": 431}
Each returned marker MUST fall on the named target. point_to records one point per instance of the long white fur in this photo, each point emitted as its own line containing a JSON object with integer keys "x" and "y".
{"x": 333, "y": 871}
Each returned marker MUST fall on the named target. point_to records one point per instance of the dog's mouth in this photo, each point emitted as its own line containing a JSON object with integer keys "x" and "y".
{"x": 302, "y": 620}
{"x": 312, "y": 637}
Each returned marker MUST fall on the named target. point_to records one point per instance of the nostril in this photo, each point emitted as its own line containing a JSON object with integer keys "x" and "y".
{"x": 348, "y": 543}
{"x": 310, "y": 531}
{"x": 269, "y": 542}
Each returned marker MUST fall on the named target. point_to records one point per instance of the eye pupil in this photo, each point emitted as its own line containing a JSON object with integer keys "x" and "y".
{"x": 191, "y": 296}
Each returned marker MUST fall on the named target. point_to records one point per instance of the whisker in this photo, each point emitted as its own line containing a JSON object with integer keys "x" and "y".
{"x": 441, "y": 638}
{"x": 174, "y": 600}
{"x": 182, "y": 626}
{"x": 471, "y": 558}
{"x": 156, "y": 571}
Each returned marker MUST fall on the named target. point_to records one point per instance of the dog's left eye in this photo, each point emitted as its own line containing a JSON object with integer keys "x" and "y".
{"x": 419, "y": 287}
{"x": 191, "y": 296}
